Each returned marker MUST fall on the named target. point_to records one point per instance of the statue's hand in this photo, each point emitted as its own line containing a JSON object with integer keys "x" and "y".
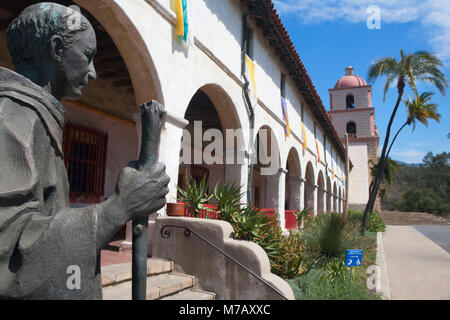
{"x": 142, "y": 192}
{"x": 153, "y": 112}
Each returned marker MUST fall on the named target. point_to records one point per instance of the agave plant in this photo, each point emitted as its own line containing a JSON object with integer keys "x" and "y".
{"x": 252, "y": 225}
{"x": 195, "y": 196}
{"x": 228, "y": 200}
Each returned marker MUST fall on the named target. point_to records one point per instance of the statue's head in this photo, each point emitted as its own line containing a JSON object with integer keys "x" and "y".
{"x": 53, "y": 46}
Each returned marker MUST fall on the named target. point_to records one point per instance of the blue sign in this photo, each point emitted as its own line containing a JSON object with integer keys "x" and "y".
{"x": 353, "y": 258}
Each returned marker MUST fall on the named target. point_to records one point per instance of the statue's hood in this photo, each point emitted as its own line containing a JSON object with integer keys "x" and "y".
{"x": 49, "y": 109}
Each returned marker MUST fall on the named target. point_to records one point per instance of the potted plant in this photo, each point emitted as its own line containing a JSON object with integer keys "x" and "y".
{"x": 175, "y": 209}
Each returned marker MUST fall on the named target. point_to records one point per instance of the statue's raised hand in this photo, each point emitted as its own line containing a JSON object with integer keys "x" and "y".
{"x": 152, "y": 114}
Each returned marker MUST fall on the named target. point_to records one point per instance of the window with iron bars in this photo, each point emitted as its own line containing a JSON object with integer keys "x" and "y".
{"x": 85, "y": 159}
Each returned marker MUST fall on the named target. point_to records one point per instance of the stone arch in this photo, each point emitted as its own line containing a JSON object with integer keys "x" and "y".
{"x": 213, "y": 107}
{"x": 266, "y": 171}
{"x": 131, "y": 46}
{"x": 293, "y": 180}
{"x": 224, "y": 105}
{"x": 310, "y": 187}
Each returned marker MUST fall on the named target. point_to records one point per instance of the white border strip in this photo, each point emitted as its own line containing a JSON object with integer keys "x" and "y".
{"x": 381, "y": 263}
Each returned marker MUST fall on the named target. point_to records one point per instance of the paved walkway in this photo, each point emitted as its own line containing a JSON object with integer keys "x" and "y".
{"x": 111, "y": 255}
{"x": 417, "y": 267}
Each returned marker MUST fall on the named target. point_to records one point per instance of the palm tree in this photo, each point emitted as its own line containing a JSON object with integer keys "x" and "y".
{"x": 390, "y": 168}
{"x": 419, "y": 66}
{"x": 418, "y": 109}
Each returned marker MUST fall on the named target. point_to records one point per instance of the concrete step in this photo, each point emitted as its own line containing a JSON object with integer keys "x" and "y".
{"x": 411, "y": 218}
{"x": 162, "y": 283}
{"x": 117, "y": 273}
{"x": 157, "y": 287}
{"x": 191, "y": 294}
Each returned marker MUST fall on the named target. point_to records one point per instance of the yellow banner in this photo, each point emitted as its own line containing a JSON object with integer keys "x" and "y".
{"x": 304, "y": 136}
{"x": 250, "y": 73}
{"x": 318, "y": 151}
{"x": 180, "y": 18}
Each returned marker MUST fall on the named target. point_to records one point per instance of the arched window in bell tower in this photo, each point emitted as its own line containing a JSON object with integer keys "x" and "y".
{"x": 351, "y": 129}
{"x": 350, "y": 101}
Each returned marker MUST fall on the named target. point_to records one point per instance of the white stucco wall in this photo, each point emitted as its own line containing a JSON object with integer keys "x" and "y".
{"x": 359, "y": 176}
{"x": 214, "y": 61}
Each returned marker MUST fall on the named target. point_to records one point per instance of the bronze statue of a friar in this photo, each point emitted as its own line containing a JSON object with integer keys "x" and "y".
{"x": 41, "y": 238}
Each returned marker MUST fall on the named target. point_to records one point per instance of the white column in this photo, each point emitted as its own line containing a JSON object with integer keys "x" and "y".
{"x": 169, "y": 153}
{"x": 280, "y": 210}
{"x": 238, "y": 173}
{"x": 315, "y": 188}
{"x": 324, "y": 195}
{"x": 275, "y": 196}
{"x": 302, "y": 193}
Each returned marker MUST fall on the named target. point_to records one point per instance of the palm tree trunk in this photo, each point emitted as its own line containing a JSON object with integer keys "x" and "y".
{"x": 389, "y": 150}
{"x": 382, "y": 163}
{"x": 395, "y": 137}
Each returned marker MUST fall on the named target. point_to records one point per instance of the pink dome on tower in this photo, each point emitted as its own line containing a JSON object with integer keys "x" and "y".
{"x": 350, "y": 80}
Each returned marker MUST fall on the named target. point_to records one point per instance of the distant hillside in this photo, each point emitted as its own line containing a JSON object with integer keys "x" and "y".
{"x": 421, "y": 187}
{"x": 408, "y": 164}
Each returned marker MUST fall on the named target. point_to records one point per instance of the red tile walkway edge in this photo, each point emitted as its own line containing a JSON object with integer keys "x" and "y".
{"x": 111, "y": 255}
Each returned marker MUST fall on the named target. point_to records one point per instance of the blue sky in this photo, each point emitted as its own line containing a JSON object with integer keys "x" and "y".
{"x": 330, "y": 35}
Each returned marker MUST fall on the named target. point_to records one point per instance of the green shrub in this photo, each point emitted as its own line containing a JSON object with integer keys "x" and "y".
{"x": 318, "y": 284}
{"x": 374, "y": 222}
{"x": 423, "y": 200}
{"x": 324, "y": 275}
{"x": 337, "y": 270}
{"x": 288, "y": 264}
{"x": 327, "y": 237}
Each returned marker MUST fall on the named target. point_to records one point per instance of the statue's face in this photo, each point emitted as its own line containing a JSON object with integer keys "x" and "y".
{"x": 77, "y": 66}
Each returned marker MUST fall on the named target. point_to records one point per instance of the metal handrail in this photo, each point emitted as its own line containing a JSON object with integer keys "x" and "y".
{"x": 187, "y": 233}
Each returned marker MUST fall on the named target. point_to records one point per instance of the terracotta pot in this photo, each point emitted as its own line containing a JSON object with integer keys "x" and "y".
{"x": 175, "y": 209}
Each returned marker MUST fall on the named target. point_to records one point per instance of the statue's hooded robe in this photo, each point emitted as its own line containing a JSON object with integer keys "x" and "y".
{"x": 47, "y": 250}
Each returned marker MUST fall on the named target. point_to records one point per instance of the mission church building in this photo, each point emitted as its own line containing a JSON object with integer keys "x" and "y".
{"x": 231, "y": 65}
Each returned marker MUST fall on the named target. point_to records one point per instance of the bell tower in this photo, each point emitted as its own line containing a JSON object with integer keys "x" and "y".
{"x": 351, "y": 112}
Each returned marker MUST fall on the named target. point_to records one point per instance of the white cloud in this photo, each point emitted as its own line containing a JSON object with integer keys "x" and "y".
{"x": 408, "y": 155}
{"x": 434, "y": 15}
